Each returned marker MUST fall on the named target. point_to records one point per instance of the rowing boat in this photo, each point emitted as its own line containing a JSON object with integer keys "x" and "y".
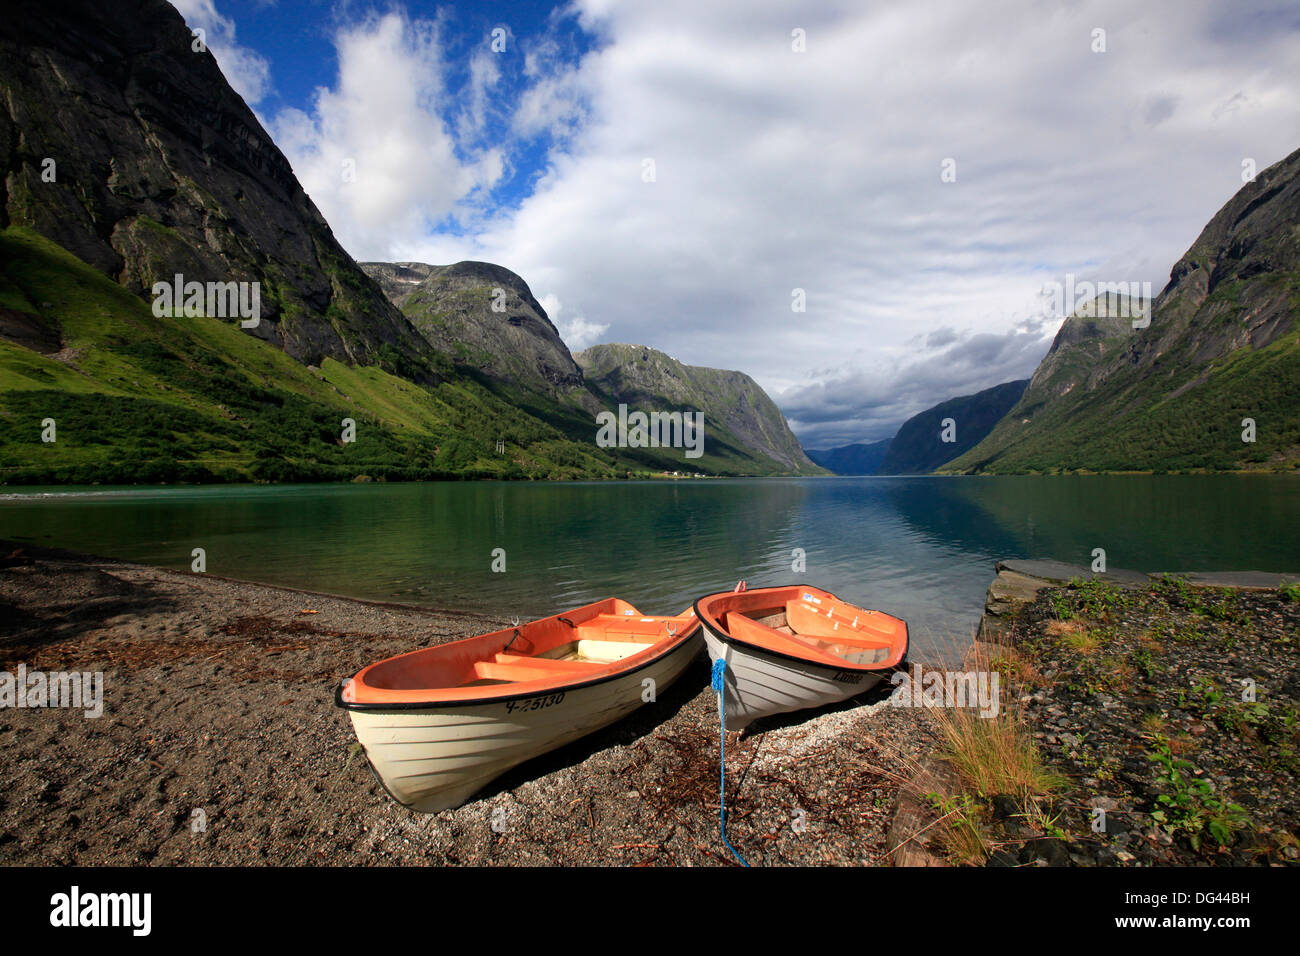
{"x": 792, "y": 648}
{"x": 439, "y": 724}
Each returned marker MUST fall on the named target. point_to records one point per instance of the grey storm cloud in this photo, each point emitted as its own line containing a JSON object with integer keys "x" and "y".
{"x": 858, "y": 406}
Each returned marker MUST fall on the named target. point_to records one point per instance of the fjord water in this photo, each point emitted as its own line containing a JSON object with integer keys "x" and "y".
{"x": 920, "y": 548}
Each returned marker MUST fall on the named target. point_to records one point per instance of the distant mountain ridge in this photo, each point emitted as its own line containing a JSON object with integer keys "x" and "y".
{"x": 738, "y": 410}
{"x": 486, "y": 317}
{"x": 920, "y": 447}
{"x": 857, "y": 459}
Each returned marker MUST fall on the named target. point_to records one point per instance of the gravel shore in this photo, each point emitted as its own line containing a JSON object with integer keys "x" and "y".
{"x": 220, "y": 744}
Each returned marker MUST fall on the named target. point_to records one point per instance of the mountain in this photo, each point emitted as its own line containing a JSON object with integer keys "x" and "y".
{"x": 1222, "y": 347}
{"x": 920, "y": 448}
{"x": 859, "y": 459}
{"x": 128, "y": 159}
{"x": 739, "y": 415}
{"x": 130, "y": 165}
{"x": 485, "y": 317}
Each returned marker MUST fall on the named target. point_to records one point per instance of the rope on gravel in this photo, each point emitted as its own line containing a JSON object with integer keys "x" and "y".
{"x": 719, "y": 684}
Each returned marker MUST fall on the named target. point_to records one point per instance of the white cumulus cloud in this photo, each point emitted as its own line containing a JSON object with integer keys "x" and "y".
{"x": 246, "y": 71}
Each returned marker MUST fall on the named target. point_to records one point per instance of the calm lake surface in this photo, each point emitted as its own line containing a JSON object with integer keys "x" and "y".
{"x": 920, "y": 548}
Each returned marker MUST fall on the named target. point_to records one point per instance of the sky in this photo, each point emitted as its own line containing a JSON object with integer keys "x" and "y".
{"x": 857, "y": 204}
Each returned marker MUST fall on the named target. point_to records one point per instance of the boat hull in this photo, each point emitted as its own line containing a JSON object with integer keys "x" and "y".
{"x": 758, "y": 684}
{"x": 436, "y": 756}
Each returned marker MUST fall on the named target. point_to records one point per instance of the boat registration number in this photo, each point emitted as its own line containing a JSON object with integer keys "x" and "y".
{"x": 846, "y": 677}
{"x": 533, "y": 703}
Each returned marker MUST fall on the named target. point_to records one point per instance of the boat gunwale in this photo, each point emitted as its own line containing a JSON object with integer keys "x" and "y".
{"x": 716, "y": 629}
{"x": 547, "y": 688}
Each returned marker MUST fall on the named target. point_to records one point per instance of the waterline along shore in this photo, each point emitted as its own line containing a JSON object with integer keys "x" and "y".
{"x": 217, "y": 742}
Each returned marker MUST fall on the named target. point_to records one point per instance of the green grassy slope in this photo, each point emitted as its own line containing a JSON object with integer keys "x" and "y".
{"x": 137, "y": 398}
{"x": 1189, "y": 418}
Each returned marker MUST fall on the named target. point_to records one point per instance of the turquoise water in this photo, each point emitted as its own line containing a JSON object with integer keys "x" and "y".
{"x": 920, "y": 548}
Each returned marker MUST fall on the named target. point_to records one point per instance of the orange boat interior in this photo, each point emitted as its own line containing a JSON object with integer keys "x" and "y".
{"x": 810, "y": 624}
{"x": 584, "y": 644}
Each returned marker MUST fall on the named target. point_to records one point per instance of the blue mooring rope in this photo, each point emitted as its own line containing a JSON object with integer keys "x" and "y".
{"x": 719, "y": 671}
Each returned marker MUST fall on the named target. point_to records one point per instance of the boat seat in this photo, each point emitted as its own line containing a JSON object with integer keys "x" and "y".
{"x": 607, "y": 652}
{"x": 810, "y": 625}
{"x": 619, "y": 627}
{"x": 517, "y": 667}
{"x": 543, "y": 663}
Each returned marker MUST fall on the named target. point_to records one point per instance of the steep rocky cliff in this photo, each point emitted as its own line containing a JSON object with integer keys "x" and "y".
{"x": 126, "y": 146}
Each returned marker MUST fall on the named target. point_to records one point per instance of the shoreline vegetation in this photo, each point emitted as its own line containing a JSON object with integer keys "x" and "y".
{"x": 1151, "y": 720}
{"x": 152, "y": 481}
{"x": 219, "y": 743}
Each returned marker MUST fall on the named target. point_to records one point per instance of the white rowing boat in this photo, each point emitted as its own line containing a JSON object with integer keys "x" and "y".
{"x": 439, "y": 724}
{"x": 792, "y": 648}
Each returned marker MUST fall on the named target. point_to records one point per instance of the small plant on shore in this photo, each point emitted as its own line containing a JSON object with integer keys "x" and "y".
{"x": 1154, "y": 724}
{"x": 1062, "y": 606}
{"x": 1229, "y": 608}
{"x": 1097, "y": 675}
{"x": 1171, "y": 586}
{"x": 963, "y": 836}
{"x": 1096, "y": 598}
{"x": 1085, "y": 643}
{"x": 1016, "y": 669}
{"x": 1144, "y": 662}
{"x": 1207, "y": 691}
{"x": 1290, "y": 592}
{"x": 1242, "y": 717}
{"x": 1038, "y": 817}
{"x": 1190, "y": 804}
{"x": 994, "y": 755}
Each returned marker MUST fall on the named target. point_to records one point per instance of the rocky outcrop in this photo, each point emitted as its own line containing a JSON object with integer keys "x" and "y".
{"x": 128, "y": 148}
{"x": 484, "y": 316}
{"x": 1018, "y": 582}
